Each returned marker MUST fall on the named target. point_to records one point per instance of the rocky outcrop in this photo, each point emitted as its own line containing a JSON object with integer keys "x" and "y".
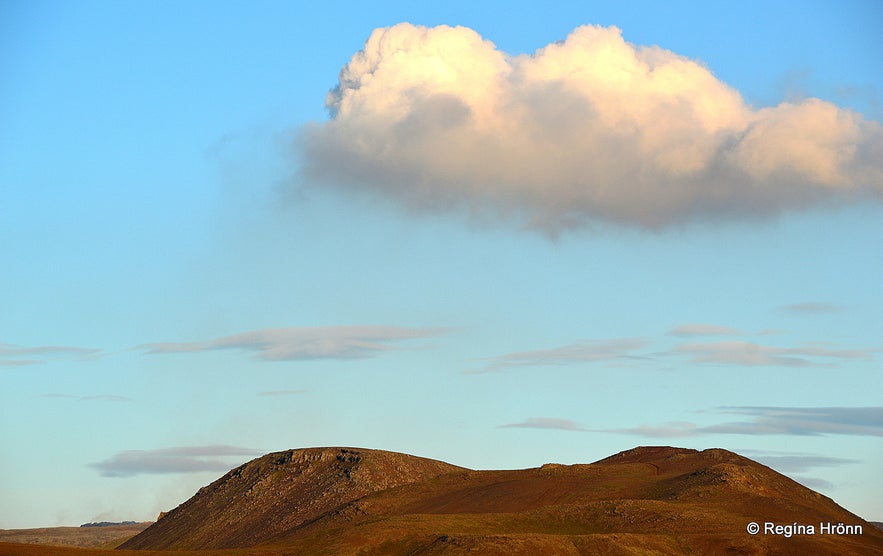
{"x": 281, "y": 491}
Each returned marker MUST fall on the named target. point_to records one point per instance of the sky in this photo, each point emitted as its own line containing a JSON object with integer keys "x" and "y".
{"x": 498, "y": 234}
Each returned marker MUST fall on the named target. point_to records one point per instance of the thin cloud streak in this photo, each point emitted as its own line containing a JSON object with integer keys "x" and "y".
{"x": 182, "y": 459}
{"x": 272, "y": 393}
{"x": 15, "y": 356}
{"x": 809, "y": 421}
{"x": 811, "y": 308}
{"x": 588, "y": 129}
{"x": 590, "y": 351}
{"x": 674, "y": 429}
{"x": 97, "y": 397}
{"x": 785, "y": 462}
{"x": 787, "y": 421}
{"x": 545, "y": 423}
{"x": 106, "y": 398}
{"x": 753, "y": 354}
{"x": 305, "y": 343}
{"x": 704, "y": 330}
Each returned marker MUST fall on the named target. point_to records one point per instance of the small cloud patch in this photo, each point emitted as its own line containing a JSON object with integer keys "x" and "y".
{"x": 589, "y": 351}
{"x": 182, "y": 459}
{"x": 18, "y": 356}
{"x": 704, "y": 330}
{"x": 546, "y": 423}
{"x": 811, "y": 308}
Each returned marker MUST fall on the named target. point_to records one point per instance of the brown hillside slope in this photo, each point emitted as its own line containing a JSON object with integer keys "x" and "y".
{"x": 279, "y": 492}
{"x": 643, "y": 501}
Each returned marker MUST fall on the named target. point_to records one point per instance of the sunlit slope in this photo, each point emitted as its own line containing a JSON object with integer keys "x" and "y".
{"x": 648, "y": 500}
{"x": 280, "y": 492}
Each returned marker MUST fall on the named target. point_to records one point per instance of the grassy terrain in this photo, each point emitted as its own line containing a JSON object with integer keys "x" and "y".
{"x": 110, "y": 536}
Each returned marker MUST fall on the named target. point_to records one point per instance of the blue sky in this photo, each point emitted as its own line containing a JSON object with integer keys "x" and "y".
{"x": 492, "y": 262}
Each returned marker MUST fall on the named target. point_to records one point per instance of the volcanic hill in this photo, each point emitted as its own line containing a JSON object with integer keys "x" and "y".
{"x": 649, "y": 500}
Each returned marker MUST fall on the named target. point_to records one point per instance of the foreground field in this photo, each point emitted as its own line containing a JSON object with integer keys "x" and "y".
{"x": 17, "y": 549}
{"x": 109, "y": 536}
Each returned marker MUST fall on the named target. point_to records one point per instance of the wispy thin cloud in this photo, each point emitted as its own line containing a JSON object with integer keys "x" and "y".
{"x": 811, "y": 308}
{"x": 96, "y": 397}
{"x": 763, "y": 420}
{"x": 272, "y": 393}
{"x": 590, "y": 351}
{"x": 106, "y": 398}
{"x": 305, "y": 343}
{"x": 673, "y": 429}
{"x": 754, "y": 354}
{"x": 667, "y": 430}
{"x": 805, "y": 421}
{"x": 795, "y": 462}
{"x": 545, "y": 423}
{"x": 18, "y": 362}
{"x": 15, "y": 356}
{"x": 182, "y": 459}
{"x": 704, "y": 330}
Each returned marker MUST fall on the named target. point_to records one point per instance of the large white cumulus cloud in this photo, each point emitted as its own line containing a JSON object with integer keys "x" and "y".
{"x": 591, "y": 128}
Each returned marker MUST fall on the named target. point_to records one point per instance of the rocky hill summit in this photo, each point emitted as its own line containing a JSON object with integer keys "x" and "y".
{"x": 649, "y": 500}
{"x": 279, "y": 492}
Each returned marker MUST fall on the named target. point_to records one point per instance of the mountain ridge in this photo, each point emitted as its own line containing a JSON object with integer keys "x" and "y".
{"x": 653, "y": 499}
